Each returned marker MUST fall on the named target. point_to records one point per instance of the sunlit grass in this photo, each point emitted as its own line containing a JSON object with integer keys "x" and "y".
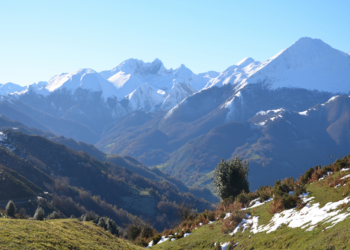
{"x": 57, "y": 234}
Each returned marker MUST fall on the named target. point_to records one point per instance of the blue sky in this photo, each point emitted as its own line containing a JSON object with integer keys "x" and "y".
{"x": 39, "y": 39}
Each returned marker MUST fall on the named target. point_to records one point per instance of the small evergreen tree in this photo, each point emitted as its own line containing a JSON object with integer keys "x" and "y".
{"x": 39, "y": 214}
{"x": 101, "y": 222}
{"x": 112, "y": 227}
{"x": 231, "y": 177}
{"x": 11, "y": 209}
{"x": 53, "y": 215}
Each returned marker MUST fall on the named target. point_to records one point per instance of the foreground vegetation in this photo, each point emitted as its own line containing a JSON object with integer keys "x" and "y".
{"x": 57, "y": 234}
{"x": 331, "y": 188}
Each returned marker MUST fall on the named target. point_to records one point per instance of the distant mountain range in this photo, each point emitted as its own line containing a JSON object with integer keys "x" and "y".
{"x": 185, "y": 122}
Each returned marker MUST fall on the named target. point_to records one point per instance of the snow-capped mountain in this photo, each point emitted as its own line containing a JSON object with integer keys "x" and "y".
{"x": 308, "y": 64}
{"x": 133, "y": 73}
{"x": 10, "y": 88}
{"x": 180, "y": 91}
{"x": 145, "y": 86}
{"x": 234, "y": 74}
{"x": 85, "y": 79}
{"x": 158, "y": 110}
{"x": 145, "y": 97}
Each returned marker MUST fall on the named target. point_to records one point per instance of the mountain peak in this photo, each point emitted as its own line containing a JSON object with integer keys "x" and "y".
{"x": 10, "y": 87}
{"x": 183, "y": 71}
{"x": 244, "y": 62}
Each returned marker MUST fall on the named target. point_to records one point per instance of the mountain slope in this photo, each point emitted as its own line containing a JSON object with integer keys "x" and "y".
{"x": 82, "y": 177}
{"x": 277, "y": 143}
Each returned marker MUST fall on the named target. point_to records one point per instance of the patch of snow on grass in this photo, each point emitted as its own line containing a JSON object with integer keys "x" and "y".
{"x": 163, "y": 239}
{"x": 346, "y": 176}
{"x": 150, "y": 244}
{"x": 187, "y": 234}
{"x": 258, "y": 203}
{"x": 307, "y": 217}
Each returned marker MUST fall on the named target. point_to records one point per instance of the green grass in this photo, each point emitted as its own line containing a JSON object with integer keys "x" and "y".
{"x": 57, "y": 234}
{"x": 337, "y": 237}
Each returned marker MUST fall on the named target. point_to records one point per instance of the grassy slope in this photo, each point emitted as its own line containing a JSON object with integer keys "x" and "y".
{"x": 57, "y": 234}
{"x": 282, "y": 238}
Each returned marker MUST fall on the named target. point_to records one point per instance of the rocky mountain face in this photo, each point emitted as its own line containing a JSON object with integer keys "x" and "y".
{"x": 159, "y": 115}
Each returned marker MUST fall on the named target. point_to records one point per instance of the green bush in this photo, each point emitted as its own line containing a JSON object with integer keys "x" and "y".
{"x": 211, "y": 216}
{"x": 289, "y": 201}
{"x": 147, "y": 231}
{"x": 156, "y": 239}
{"x": 11, "y": 209}
{"x": 134, "y": 231}
{"x": 307, "y": 174}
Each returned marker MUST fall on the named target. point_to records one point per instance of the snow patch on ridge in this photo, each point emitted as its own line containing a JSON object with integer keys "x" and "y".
{"x": 306, "y": 218}
{"x": 231, "y": 105}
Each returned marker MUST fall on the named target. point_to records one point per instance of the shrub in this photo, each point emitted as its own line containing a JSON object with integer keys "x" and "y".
{"x": 184, "y": 211}
{"x": 22, "y": 214}
{"x": 275, "y": 206}
{"x": 232, "y": 222}
{"x": 88, "y": 216}
{"x": 289, "y": 201}
{"x": 157, "y": 238}
{"x": 211, "y": 216}
{"x": 39, "y": 214}
{"x": 53, "y": 215}
{"x": 308, "y": 174}
{"x": 179, "y": 235}
{"x": 134, "y": 231}
{"x": 11, "y": 209}
{"x": 147, "y": 231}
